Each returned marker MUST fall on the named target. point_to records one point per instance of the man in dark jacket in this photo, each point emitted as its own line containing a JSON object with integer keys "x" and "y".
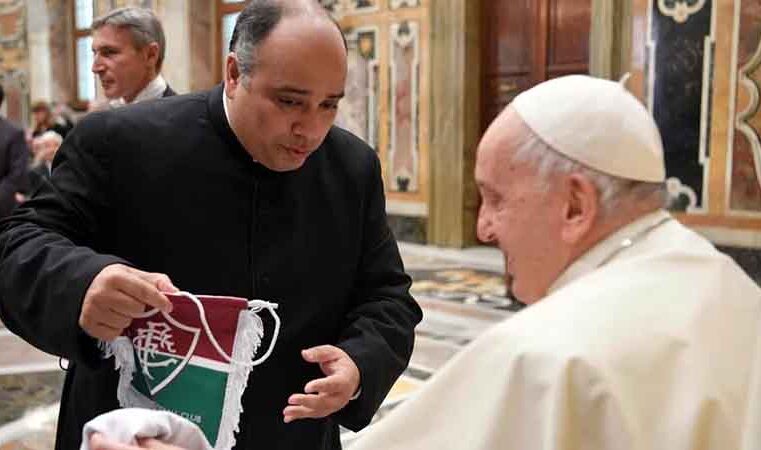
{"x": 14, "y": 157}
{"x": 128, "y": 52}
{"x": 246, "y": 190}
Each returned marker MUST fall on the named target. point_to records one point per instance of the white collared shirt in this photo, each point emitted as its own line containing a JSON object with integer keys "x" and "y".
{"x": 153, "y": 90}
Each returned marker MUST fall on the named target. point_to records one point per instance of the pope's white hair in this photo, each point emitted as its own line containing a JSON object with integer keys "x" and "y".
{"x": 613, "y": 191}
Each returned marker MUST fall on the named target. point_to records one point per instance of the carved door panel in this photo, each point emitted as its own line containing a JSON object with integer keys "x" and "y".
{"x": 530, "y": 41}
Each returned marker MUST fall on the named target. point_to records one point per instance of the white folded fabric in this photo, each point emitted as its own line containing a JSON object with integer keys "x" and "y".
{"x": 127, "y": 425}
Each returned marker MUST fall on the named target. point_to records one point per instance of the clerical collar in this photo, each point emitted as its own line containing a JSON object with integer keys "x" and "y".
{"x": 154, "y": 89}
{"x": 224, "y": 106}
{"x": 610, "y": 247}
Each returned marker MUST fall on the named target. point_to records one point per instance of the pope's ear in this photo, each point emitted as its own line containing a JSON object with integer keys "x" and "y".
{"x": 582, "y": 207}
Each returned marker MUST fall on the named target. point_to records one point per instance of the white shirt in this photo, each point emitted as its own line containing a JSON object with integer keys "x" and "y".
{"x": 153, "y": 90}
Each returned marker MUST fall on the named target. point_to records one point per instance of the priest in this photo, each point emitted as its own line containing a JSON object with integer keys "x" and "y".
{"x": 247, "y": 190}
{"x": 639, "y": 334}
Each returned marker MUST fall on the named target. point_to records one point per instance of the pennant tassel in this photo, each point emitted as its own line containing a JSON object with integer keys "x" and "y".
{"x": 124, "y": 360}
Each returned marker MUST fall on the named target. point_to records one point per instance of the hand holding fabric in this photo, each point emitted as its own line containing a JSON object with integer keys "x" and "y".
{"x": 117, "y": 295}
{"x": 325, "y": 396}
{"x": 100, "y": 442}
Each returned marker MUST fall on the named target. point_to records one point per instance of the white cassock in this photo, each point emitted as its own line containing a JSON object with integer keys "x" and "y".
{"x": 649, "y": 346}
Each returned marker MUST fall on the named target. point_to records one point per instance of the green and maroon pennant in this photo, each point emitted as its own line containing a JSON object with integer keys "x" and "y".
{"x": 195, "y": 361}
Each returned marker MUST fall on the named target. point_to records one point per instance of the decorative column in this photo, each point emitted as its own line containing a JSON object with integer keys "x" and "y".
{"x": 455, "y": 121}
{"x": 610, "y": 38}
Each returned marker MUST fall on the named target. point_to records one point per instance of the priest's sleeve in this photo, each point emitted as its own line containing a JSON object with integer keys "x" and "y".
{"x": 378, "y": 330}
{"x": 46, "y": 261}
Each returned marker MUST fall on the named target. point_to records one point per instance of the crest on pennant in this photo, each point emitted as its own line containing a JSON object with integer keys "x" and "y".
{"x": 163, "y": 347}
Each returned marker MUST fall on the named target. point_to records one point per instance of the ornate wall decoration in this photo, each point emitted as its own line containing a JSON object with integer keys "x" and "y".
{"x": 680, "y": 10}
{"x": 339, "y": 8}
{"x": 745, "y": 152}
{"x": 403, "y": 156}
{"x": 14, "y": 60}
{"x": 12, "y": 24}
{"x": 679, "y": 94}
{"x": 358, "y": 112}
{"x": 396, "y": 4}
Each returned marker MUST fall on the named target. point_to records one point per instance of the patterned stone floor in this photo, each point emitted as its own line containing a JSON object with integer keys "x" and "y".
{"x": 461, "y": 293}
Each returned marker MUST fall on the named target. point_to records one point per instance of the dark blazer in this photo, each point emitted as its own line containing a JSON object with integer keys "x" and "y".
{"x": 168, "y": 92}
{"x": 14, "y": 157}
{"x": 166, "y": 187}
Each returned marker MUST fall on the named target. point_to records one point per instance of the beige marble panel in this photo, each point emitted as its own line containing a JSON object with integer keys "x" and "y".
{"x": 403, "y": 151}
{"x": 358, "y": 112}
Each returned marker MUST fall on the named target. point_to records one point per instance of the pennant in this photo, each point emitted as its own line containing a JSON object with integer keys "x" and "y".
{"x": 195, "y": 361}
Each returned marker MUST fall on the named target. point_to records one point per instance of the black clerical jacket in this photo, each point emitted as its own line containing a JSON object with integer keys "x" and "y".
{"x": 166, "y": 187}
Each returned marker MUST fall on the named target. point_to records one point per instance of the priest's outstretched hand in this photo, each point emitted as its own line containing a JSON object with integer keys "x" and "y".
{"x": 324, "y": 396}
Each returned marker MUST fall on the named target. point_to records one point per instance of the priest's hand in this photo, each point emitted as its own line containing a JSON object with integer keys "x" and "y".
{"x": 100, "y": 442}
{"x": 324, "y": 396}
{"x": 117, "y": 295}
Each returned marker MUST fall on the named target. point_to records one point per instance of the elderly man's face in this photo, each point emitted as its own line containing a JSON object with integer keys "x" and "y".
{"x": 283, "y": 110}
{"x": 45, "y": 148}
{"x": 518, "y": 214}
{"x": 123, "y": 70}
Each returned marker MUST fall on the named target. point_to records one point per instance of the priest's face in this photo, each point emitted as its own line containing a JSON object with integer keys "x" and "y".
{"x": 519, "y": 213}
{"x": 283, "y": 109}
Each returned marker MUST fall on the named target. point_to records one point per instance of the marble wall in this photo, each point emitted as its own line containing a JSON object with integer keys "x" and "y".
{"x": 680, "y": 50}
{"x": 695, "y": 65}
{"x": 745, "y": 157}
{"x": 388, "y": 61}
{"x": 14, "y": 59}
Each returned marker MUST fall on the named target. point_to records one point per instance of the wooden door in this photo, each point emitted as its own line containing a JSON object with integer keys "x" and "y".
{"x": 527, "y": 42}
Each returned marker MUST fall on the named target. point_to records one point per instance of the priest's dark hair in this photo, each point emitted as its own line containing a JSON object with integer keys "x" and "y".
{"x": 259, "y": 18}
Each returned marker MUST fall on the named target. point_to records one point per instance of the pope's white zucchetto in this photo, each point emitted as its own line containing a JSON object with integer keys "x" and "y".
{"x": 597, "y": 123}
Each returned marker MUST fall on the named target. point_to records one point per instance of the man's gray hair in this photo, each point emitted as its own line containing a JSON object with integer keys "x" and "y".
{"x": 258, "y": 19}
{"x": 613, "y": 190}
{"x": 142, "y": 24}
